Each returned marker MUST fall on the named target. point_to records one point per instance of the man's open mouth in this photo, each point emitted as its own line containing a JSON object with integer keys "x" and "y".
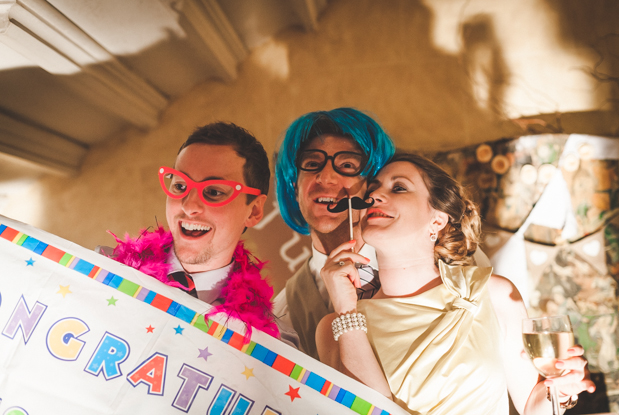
{"x": 326, "y": 200}
{"x": 194, "y": 230}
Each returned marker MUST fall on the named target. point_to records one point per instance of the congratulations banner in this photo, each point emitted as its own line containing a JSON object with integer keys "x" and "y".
{"x": 82, "y": 334}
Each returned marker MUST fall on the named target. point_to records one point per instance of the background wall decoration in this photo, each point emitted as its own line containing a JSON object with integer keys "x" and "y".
{"x": 550, "y": 205}
{"x": 438, "y": 75}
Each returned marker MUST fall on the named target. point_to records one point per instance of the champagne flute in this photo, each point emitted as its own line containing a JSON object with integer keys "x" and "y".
{"x": 546, "y": 340}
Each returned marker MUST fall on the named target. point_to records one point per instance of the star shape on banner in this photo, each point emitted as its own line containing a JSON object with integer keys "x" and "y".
{"x": 30, "y": 262}
{"x": 248, "y": 372}
{"x": 293, "y": 393}
{"x": 111, "y": 301}
{"x": 204, "y": 353}
{"x": 149, "y": 329}
{"x": 64, "y": 290}
{"x": 179, "y": 329}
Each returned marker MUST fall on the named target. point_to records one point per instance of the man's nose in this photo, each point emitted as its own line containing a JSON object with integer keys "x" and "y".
{"x": 192, "y": 204}
{"x": 328, "y": 175}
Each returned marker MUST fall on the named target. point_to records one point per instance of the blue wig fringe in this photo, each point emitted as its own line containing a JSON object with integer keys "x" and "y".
{"x": 350, "y": 122}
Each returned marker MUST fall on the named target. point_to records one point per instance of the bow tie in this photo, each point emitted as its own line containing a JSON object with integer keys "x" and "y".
{"x": 186, "y": 281}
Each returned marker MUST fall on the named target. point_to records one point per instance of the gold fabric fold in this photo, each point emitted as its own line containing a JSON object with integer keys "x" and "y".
{"x": 441, "y": 350}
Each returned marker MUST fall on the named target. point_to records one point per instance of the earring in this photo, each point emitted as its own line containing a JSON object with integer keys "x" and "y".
{"x": 433, "y": 237}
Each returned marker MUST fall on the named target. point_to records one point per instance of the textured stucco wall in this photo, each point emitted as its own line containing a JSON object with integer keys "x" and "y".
{"x": 437, "y": 74}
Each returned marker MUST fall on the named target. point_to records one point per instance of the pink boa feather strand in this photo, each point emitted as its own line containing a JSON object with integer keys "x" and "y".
{"x": 147, "y": 253}
{"x": 246, "y": 294}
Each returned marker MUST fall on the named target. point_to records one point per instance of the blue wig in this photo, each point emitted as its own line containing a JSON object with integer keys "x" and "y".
{"x": 345, "y": 122}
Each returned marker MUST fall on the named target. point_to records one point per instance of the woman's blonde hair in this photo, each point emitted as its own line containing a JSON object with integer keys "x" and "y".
{"x": 457, "y": 241}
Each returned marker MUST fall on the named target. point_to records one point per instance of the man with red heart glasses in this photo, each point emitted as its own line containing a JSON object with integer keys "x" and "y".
{"x": 213, "y": 193}
{"x": 216, "y": 189}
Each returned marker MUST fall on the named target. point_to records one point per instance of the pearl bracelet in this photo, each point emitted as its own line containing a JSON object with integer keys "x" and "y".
{"x": 348, "y": 322}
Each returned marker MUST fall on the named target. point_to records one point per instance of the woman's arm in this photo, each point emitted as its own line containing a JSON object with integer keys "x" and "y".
{"x": 527, "y": 392}
{"x": 352, "y": 353}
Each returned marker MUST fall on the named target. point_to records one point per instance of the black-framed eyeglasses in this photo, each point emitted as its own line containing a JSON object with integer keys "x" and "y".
{"x": 346, "y": 163}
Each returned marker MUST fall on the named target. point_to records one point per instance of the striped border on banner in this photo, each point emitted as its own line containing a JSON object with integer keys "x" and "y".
{"x": 189, "y": 316}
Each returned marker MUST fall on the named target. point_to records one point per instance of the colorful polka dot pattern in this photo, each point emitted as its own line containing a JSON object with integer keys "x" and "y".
{"x": 216, "y": 330}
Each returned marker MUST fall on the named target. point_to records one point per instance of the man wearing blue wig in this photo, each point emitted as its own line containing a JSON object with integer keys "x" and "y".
{"x": 325, "y": 156}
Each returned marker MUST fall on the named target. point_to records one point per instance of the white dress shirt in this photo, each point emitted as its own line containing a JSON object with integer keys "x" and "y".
{"x": 208, "y": 283}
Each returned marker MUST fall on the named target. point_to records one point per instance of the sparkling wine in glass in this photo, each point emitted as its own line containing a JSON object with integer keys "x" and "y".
{"x": 546, "y": 340}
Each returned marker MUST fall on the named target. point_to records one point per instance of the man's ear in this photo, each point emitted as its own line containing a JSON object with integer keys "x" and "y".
{"x": 440, "y": 221}
{"x": 257, "y": 211}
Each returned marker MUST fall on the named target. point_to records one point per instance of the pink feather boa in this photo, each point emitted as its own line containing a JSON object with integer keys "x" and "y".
{"x": 246, "y": 295}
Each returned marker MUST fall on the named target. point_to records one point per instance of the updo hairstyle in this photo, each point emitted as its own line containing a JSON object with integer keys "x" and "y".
{"x": 457, "y": 241}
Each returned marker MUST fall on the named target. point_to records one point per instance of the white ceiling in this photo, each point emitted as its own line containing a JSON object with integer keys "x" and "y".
{"x": 73, "y": 72}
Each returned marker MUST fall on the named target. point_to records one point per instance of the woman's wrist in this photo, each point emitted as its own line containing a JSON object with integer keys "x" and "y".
{"x": 347, "y": 322}
{"x": 345, "y": 307}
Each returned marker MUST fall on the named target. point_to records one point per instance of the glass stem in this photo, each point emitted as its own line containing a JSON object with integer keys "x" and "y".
{"x": 554, "y": 400}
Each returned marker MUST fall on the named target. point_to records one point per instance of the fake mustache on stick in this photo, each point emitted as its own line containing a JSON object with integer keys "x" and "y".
{"x": 356, "y": 202}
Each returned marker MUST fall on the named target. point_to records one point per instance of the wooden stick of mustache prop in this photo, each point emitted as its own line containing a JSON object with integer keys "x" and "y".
{"x": 350, "y": 218}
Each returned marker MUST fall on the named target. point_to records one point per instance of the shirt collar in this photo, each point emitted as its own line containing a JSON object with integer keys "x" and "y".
{"x": 205, "y": 280}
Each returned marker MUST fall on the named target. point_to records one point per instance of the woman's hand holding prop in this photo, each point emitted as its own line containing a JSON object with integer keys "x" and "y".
{"x": 341, "y": 277}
